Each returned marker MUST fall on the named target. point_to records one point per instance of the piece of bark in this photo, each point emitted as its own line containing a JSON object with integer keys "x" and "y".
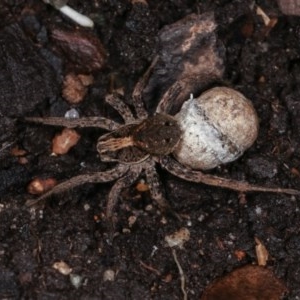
{"x": 81, "y": 48}
{"x": 190, "y": 58}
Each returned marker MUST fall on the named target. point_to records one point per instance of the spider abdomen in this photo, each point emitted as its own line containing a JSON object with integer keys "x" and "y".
{"x": 217, "y": 128}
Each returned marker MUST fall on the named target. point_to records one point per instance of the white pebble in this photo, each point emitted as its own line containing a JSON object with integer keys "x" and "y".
{"x": 76, "y": 280}
{"x": 72, "y": 114}
{"x": 86, "y": 207}
{"x": 258, "y": 210}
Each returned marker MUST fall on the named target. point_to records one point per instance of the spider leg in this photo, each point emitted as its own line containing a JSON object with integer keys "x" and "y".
{"x": 166, "y": 104}
{"x": 98, "y": 122}
{"x": 106, "y": 176}
{"x": 114, "y": 101}
{"x": 125, "y": 181}
{"x": 155, "y": 188}
{"x": 182, "y": 172}
{"x": 138, "y": 90}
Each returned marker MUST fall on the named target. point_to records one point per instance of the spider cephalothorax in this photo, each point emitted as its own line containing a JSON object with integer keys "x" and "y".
{"x": 156, "y": 135}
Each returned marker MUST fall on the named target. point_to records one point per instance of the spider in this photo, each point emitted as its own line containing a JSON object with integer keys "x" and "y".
{"x": 138, "y": 146}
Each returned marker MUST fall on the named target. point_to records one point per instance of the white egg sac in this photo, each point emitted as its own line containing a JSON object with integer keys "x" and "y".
{"x": 217, "y": 128}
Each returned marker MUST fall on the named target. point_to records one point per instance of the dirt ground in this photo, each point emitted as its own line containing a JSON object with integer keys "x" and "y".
{"x": 261, "y": 62}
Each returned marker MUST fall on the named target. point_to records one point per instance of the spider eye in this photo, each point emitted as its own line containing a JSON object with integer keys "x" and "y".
{"x": 168, "y": 123}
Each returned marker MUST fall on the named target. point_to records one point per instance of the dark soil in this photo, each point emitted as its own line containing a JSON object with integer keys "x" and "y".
{"x": 263, "y": 63}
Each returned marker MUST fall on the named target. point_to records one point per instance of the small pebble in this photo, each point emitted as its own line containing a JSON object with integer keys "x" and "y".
{"x": 86, "y": 207}
{"x": 178, "y": 238}
{"x": 62, "y": 267}
{"x": 76, "y": 280}
{"x": 72, "y": 114}
{"x": 149, "y": 207}
{"x": 73, "y": 89}
{"x": 39, "y": 186}
{"x": 109, "y": 275}
{"x": 63, "y": 142}
{"x": 258, "y": 210}
{"x": 131, "y": 220}
{"x": 201, "y": 218}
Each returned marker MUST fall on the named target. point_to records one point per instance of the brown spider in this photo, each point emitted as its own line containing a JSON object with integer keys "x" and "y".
{"x": 138, "y": 146}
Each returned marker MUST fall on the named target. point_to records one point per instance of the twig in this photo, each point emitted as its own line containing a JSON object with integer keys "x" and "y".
{"x": 182, "y": 277}
{"x": 150, "y": 268}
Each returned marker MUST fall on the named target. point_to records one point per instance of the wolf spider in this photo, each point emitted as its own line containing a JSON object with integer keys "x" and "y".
{"x": 138, "y": 146}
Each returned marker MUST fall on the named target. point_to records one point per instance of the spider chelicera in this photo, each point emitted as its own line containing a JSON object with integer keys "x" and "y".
{"x": 138, "y": 146}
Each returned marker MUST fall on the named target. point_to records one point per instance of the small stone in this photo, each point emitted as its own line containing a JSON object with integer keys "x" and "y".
{"x": 72, "y": 114}
{"x": 39, "y": 186}
{"x": 62, "y": 267}
{"x": 63, "y": 142}
{"x": 178, "y": 238}
{"x": 74, "y": 90}
{"x": 142, "y": 186}
{"x": 86, "y": 207}
{"x": 131, "y": 220}
{"x": 109, "y": 275}
{"x": 76, "y": 280}
{"x": 149, "y": 207}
